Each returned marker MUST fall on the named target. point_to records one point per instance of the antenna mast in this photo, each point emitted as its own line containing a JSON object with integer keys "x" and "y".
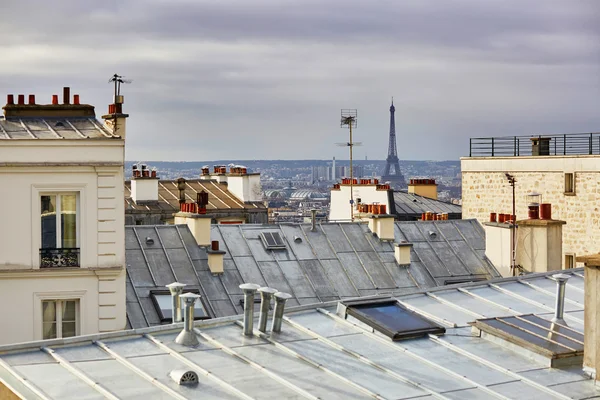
{"x": 348, "y": 118}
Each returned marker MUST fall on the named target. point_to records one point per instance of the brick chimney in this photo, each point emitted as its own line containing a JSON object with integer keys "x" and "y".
{"x": 53, "y": 110}
{"x": 115, "y": 120}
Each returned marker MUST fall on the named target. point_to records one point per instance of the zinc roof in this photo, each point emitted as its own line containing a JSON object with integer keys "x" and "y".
{"x": 54, "y": 128}
{"x": 409, "y": 205}
{"x": 337, "y": 261}
{"x": 318, "y": 354}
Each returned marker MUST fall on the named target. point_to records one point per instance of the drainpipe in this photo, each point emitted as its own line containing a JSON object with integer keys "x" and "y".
{"x": 280, "y": 299}
{"x": 176, "y": 290}
{"x": 265, "y": 303}
{"x": 561, "y": 282}
{"x": 187, "y": 337}
{"x": 249, "y": 289}
{"x": 313, "y": 220}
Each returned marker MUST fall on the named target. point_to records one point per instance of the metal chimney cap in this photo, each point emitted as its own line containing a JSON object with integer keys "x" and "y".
{"x": 282, "y": 296}
{"x": 561, "y": 277}
{"x": 189, "y": 298}
{"x": 176, "y": 287}
{"x": 249, "y": 287}
{"x": 267, "y": 290}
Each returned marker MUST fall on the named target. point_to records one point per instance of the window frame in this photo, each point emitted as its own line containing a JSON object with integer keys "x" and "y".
{"x": 353, "y": 309}
{"x": 80, "y": 314}
{"x": 573, "y": 263}
{"x": 58, "y": 215}
{"x": 165, "y": 320}
{"x": 59, "y": 317}
{"x": 569, "y": 181}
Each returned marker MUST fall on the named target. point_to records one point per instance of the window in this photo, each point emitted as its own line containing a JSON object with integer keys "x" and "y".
{"x": 60, "y": 318}
{"x": 393, "y": 320}
{"x": 569, "y": 261}
{"x": 60, "y": 230}
{"x": 272, "y": 241}
{"x": 164, "y": 307}
{"x": 570, "y": 183}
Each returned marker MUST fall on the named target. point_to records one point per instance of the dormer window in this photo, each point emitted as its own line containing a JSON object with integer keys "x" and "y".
{"x": 60, "y": 230}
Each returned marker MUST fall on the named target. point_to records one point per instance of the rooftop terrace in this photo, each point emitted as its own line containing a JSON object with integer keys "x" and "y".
{"x": 536, "y": 145}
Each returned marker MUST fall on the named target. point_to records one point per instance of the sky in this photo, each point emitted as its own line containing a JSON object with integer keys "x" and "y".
{"x": 266, "y": 79}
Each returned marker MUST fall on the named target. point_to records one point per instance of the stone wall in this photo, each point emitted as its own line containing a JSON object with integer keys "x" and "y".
{"x": 485, "y": 189}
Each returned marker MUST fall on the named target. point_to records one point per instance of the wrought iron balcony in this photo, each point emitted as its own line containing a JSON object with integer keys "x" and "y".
{"x": 59, "y": 258}
{"x": 538, "y": 145}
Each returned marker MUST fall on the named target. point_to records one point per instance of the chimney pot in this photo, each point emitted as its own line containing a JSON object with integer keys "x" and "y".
{"x": 214, "y": 245}
{"x": 545, "y": 211}
{"x": 176, "y": 290}
{"x": 76, "y": 99}
{"x": 32, "y": 99}
{"x": 561, "y": 282}
{"x": 66, "y": 95}
{"x": 249, "y": 290}
{"x": 10, "y": 99}
{"x": 21, "y": 99}
{"x": 187, "y": 337}
{"x": 54, "y": 99}
{"x": 265, "y": 303}
{"x": 280, "y": 299}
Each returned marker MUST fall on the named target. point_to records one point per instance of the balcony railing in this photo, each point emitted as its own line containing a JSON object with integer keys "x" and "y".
{"x": 58, "y": 258}
{"x": 538, "y": 145}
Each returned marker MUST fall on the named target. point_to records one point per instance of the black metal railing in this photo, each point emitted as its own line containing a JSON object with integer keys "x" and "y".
{"x": 57, "y": 258}
{"x": 549, "y": 145}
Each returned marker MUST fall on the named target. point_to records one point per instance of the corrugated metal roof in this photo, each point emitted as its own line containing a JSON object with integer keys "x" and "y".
{"x": 219, "y": 197}
{"x": 338, "y": 261}
{"x": 318, "y": 354}
{"x": 54, "y": 128}
{"x": 408, "y": 204}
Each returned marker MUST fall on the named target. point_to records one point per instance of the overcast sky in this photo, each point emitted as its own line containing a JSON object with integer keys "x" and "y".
{"x": 265, "y": 79}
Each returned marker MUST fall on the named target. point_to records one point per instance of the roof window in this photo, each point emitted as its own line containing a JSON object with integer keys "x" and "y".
{"x": 391, "y": 319}
{"x": 272, "y": 240}
{"x": 162, "y": 303}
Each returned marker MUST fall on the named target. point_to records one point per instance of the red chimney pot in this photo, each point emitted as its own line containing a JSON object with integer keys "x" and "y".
{"x": 76, "y": 99}
{"x": 54, "y": 99}
{"x": 66, "y": 95}
{"x": 10, "y": 99}
{"x": 21, "y": 99}
{"x": 32, "y": 99}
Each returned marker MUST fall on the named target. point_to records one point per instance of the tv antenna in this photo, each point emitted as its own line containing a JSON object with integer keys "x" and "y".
{"x": 118, "y": 80}
{"x": 349, "y": 119}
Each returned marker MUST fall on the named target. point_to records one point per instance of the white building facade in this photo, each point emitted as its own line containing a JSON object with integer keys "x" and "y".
{"x": 62, "y": 252}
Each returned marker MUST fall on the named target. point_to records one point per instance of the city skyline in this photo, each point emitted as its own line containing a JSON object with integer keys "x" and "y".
{"x": 266, "y": 79}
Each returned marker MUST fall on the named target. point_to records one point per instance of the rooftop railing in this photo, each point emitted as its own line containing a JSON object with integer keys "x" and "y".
{"x": 540, "y": 145}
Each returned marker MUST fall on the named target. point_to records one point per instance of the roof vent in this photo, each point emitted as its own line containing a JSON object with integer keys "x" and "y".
{"x": 149, "y": 241}
{"x": 184, "y": 377}
{"x": 432, "y": 234}
{"x": 297, "y": 239}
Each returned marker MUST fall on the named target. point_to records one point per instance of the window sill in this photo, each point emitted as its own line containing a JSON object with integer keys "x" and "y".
{"x": 569, "y": 193}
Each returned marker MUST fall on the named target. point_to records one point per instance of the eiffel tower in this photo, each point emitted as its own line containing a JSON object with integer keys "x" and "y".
{"x": 391, "y": 172}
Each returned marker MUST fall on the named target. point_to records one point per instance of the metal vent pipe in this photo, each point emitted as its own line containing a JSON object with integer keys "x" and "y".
{"x": 561, "y": 282}
{"x": 313, "y": 220}
{"x": 249, "y": 290}
{"x": 265, "y": 303}
{"x": 280, "y": 299}
{"x": 187, "y": 337}
{"x": 176, "y": 290}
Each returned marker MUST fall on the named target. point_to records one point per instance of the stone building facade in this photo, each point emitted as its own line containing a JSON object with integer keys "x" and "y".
{"x": 570, "y": 183}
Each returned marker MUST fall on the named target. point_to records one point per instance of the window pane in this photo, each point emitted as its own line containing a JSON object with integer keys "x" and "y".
{"x": 48, "y": 217}
{"x": 49, "y": 330}
{"x": 49, "y": 311}
{"x": 68, "y": 310}
{"x": 68, "y": 329}
{"x": 68, "y": 207}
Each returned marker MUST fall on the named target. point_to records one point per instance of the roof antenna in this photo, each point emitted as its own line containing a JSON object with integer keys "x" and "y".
{"x": 118, "y": 80}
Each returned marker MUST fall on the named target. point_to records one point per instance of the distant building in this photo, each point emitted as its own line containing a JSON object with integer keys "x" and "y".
{"x": 62, "y": 247}
{"x": 320, "y": 173}
{"x": 564, "y": 169}
{"x": 233, "y": 197}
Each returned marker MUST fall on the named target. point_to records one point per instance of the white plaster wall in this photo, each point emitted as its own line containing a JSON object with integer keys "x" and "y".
{"x": 245, "y": 187}
{"x": 340, "y": 200}
{"x": 485, "y": 190}
{"x": 62, "y": 151}
{"x": 498, "y": 247}
{"x": 144, "y": 189}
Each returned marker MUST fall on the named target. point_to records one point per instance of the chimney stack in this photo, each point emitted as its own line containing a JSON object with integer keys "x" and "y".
{"x": 144, "y": 186}
{"x": 280, "y": 299}
{"x": 249, "y": 290}
{"x": 215, "y": 258}
{"x": 423, "y": 187}
{"x": 66, "y": 95}
{"x": 313, "y": 220}
{"x": 591, "y": 315}
{"x": 187, "y": 337}
{"x": 402, "y": 253}
{"x": 199, "y": 225}
{"x": 176, "y": 290}
{"x": 539, "y": 245}
{"x": 265, "y": 304}
{"x": 21, "y": 99}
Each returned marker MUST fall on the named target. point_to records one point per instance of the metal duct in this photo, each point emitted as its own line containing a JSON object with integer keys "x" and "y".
{"x": 280, "y": 299}
{"x": 265, "y": 303}
{"x": 176, "y": 290}
{"x": 313, "y": 220}
{"x": 561, "y": 282}
{"x": 187, "y": 337}
{"x": 249, "y": 290}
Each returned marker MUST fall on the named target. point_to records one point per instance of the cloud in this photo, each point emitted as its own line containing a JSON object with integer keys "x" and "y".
{"x": 266, "y": 79}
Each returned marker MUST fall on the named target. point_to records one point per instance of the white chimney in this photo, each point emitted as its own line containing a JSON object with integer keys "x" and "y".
{"x": 243, "y": 185}
{"x": 144, "y": 185}
{"x": 215, "y": 258}
{"x": 402, "y": 253}
{"x": 199, "y": 225}
{"x": 382, "y": 225}
{"x": 539, "y": 245}
{"x": 498, "y": 248}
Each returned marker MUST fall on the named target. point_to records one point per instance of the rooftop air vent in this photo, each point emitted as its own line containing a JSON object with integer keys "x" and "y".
{"x": 272, "y": 240}
{"x": 297, "y": 239}
{"x": 184, "y": 377}
{"x": 390, "y": 318}
{"x": 149, "y": 241}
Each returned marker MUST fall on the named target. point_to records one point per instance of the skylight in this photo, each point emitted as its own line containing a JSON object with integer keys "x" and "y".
{"x": 272, "y": 240}
{"x": 162, "y": 303}
{"x": 393, "y": 320}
